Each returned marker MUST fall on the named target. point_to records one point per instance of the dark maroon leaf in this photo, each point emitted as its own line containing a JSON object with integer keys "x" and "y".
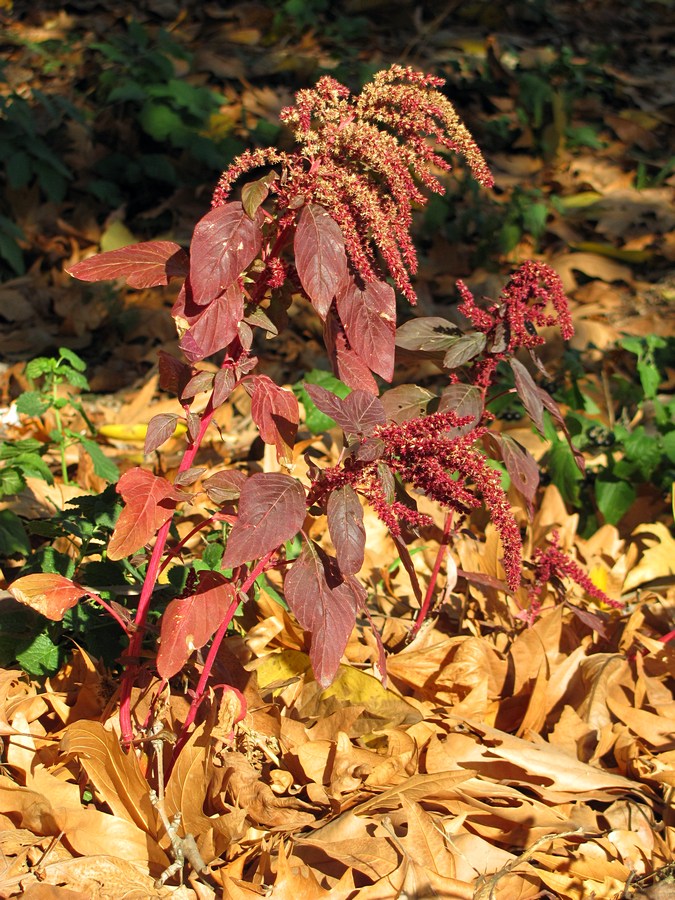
{"x": 483, "y": 580}
{"x": 529, "y": 393}
{"x": 463, "y": 349}
{"x": 143, "y": 265}
{"x": 406, "y": 401}
{"x": 224, "y": 242}
{"x": 200, "y": 382}
{"x": 320, "y": 257}
{"x": 276, "y": 413}
{"x": 226, "y": 486}
{"x": 521, "y": 466}
{"x": 357, "y": 413}
{"x": 369, "y": 320}
{"x": 429, "y": 334}
{"x": 463, "y": 400}
{"x": 369, "y": 450}
{"x": 160, "y": 428}
{"x": 189, "y": 622}
{"x": 194, "y": 422}
{"x": 207, "y": 329}
{"x": 557, "y": 416}
{"x": 223, "y": 385}
{"x": 387, "y": 482}
{"x": 327, "y": 613}
{"x": 347, "y": 365}
{"x": 591, "y": 619}
{"x": 173, "y": 374}
{"x": 345, "y": 523}
{"x": 271, "y": 511}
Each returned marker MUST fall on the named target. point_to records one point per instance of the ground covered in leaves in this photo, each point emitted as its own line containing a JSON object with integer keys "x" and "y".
{"x": 497, "y": 761}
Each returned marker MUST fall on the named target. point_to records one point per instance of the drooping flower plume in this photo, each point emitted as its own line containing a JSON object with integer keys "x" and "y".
{"x": 366, "y": 159}
{"x": 444, "y": 466}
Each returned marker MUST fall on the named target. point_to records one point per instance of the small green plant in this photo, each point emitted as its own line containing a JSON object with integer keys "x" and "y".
{"x": 139, "y": 78}
{"x": 48, "y": 375}
{"x": 634, "y": 441}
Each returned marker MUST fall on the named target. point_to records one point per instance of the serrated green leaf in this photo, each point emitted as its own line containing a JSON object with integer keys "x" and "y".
{"x": 40, "y": 657}
{"x": 104, "y": 467}
{"x": 650, "y": 378}
{"x": 32, "y": 403}
{"x": 11, "y": 481}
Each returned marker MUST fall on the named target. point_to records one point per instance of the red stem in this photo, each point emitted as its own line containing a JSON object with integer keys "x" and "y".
{"x": 424, "y": 609}
{"x": 136, "y": 642}
{"x": 211, "y": 657}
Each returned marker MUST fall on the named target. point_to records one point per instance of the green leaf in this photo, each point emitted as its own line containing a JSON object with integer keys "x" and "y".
{"x": 40, "y": 657}
{"x": 564, "y": 472}
{"x": 32, "y": 403}
{"x": 650, "y": 377}
{"x": 11, "y": 481}
{"x": 614, "y": 499}
{"x": 13, "y": 538}
{"x": 643, "y": 450}
{"x": 75, "y": 361}
{"x": 104, "y": 467}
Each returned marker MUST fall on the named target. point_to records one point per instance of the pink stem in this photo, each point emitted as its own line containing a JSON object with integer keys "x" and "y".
{"x": 424, "y": 609}
{"x": 211, "y": 657}
{"x": 136, "y": 642}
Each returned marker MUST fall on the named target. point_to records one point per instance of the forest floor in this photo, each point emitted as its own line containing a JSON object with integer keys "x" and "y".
{"x": 499, "y": 761}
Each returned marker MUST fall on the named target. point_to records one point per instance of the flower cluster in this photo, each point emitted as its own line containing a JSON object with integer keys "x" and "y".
{"x": 524, "y": 305}
{"x": 363, "y": 159}
{"x": 553, "y": 564}
{"x": 440, "y": 463}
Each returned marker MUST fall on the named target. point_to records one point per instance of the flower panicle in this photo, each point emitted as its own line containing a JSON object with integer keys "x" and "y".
{"x": 427, "y": 453}
{"x": 524, "y": 305}
{"x": 552, "y": 562}
{"x": 367, "y": 160}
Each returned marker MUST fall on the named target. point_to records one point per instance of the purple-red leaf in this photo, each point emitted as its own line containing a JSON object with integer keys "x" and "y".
{"x": 149, "y": 503}
{"x": 49, "y": 594}
{"x": 345, "y": 523}
{"x": 557, "y": 416}
{"x": 271, "y": 511}
{"x": 160, "y": 428}
{"x": 357, "y": 413}
{"x": 369, "y": 319}
{"x": 463, "y": 400}
{"x": 224, "y": 242}
{"x": 521, "y": 466}
{"x": 143, "y": 265}
{"x": 226, "y": 486}
{"x": 276, "y": 413}
{"x": 320, "y": 257}
{"x": 207, "y": 329}
{"x": 529, "y": 393}
{"x": 189, "y": 622}
{"x": 326, "y": 611}
{"x": 347, "y": 365}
